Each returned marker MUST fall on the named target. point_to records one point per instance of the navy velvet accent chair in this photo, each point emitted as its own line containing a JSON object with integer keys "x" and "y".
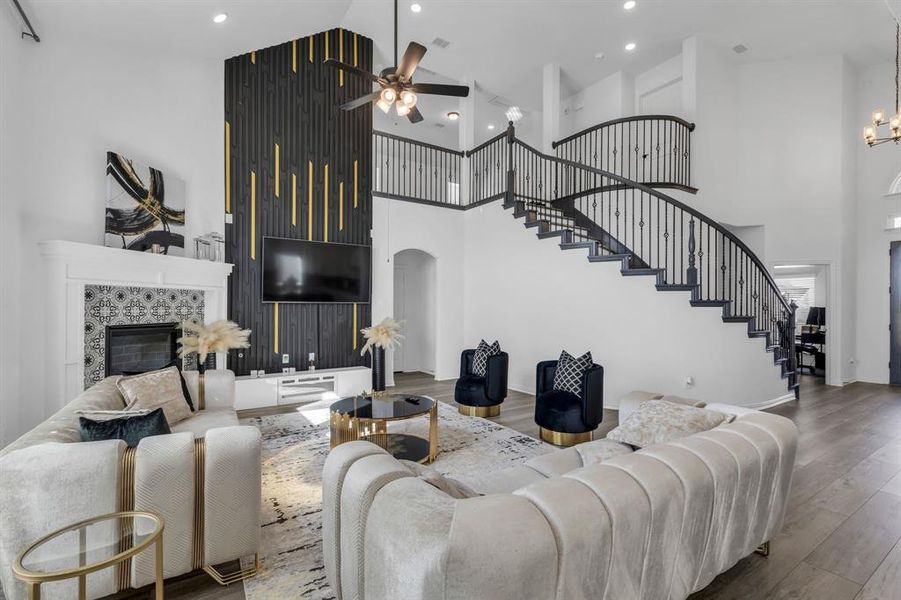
{"x": 481, "y": 396}
{"x": 565, "y": 419}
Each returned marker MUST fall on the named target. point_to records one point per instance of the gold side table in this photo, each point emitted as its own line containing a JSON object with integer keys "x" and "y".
{"x": 88, "y": 546}
{"x": 367, "y": 418}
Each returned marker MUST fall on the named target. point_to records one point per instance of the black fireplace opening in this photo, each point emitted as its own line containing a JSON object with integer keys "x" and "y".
{"x": 140, "y": 348}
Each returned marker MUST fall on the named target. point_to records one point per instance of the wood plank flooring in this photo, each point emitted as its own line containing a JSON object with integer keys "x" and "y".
{"x": 842, "y": 535}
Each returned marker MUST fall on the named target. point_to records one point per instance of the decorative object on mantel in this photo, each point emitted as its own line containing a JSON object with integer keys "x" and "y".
{"x": 870, "y": 132}
{"x": 210, "y": 246}
{"x": 204, "y": 340}
{"x": 143, "y": 208}
{"x": 384, "y": 336}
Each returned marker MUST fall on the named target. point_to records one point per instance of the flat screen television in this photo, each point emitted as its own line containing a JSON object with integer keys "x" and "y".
{"x": 305, "y": 271}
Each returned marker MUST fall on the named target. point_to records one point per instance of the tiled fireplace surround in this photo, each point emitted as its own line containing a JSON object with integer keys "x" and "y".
{"x": 89, "y": 287}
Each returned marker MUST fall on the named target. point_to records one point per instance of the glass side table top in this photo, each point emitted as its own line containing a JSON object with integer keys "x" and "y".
{"x": 88, "y": 546}
{"x": 388, "y": 407}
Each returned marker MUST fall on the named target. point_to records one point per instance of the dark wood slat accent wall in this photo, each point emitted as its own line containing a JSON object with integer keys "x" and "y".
{"x": 290, "y": 149}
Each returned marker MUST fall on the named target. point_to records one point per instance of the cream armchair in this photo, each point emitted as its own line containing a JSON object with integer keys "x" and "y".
{"x": 203, "y": 479}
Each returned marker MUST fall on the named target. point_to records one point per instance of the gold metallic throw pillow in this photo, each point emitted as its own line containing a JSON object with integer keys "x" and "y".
{"x": 156, "y": 389}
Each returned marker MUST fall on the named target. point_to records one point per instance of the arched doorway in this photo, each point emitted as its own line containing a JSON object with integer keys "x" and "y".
{"x": 415, "y": 301}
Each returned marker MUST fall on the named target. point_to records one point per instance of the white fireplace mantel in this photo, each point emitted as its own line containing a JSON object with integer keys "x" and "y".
{"x": 72, "y": 265}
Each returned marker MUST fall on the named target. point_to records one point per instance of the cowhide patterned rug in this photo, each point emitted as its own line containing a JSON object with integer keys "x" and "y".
{"x": 294, "y": 449}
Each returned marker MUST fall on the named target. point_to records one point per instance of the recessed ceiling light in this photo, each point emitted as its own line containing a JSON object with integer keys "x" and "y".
{"x": 629, "y": 5}
{"x": 630, "y": 46}
{"x": 453, "y": 115}
{"x": 416, "y": 7}
{"x": 220, "y": 18}
{"x": 490, "y": 126}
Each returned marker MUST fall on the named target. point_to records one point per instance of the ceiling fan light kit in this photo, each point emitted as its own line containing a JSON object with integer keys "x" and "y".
{"x": 396, "y": 83}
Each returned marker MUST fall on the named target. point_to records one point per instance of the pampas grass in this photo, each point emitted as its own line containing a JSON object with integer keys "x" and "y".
{"x": 385, "y": 335}
{"x": 219, "y": 336}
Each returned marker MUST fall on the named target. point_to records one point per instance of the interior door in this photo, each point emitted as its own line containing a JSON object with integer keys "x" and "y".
{"x": 400, "y": 312}
{"x": 895, "y": 315}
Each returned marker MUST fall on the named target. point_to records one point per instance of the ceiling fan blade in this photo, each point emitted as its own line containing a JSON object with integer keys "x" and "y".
{"x": 414, "y": 115}
{"x": 410, "y": 60}
{"x": 353, "y": 70}
{"x": 440, "y": 89}
{"x": 361, "y": 101}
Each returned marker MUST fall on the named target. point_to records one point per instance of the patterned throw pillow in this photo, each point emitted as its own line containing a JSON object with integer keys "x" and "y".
{"x": 480, "y": 360}
{"x": 570, "y": 370}
{"x": 130, "y": 429}
{"x": 659, "y": 421}
{"x": 156, "y": 389}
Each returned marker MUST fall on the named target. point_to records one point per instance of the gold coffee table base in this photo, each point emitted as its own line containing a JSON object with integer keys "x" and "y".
{"x": 34, "y": 579}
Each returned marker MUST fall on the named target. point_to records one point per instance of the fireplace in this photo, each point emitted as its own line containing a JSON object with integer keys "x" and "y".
{"x": 139, "y": 348}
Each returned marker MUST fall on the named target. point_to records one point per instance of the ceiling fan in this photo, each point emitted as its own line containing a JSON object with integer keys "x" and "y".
{"x": 396, "y": 83}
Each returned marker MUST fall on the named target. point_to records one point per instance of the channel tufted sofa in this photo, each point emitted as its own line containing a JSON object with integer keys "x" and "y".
{"x": 593, "y": 521}
{"x": 203, "y": 479}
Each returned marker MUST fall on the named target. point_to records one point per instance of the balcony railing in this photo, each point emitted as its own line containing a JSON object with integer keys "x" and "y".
{"x": 651, "y": 149}
{"x": 407, "y": 169}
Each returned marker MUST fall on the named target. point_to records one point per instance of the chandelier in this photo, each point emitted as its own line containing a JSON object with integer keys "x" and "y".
{"x": 870, "y": 132}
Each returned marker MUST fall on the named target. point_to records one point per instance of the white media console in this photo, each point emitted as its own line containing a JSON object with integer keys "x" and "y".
{"x": 301, "y": 387}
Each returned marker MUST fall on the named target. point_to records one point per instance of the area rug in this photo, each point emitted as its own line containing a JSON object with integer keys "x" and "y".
{"x": 294, "y": 449}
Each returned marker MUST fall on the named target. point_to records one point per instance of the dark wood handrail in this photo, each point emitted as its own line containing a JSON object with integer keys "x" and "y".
{"x": 684, "y": 207}
{"x": 683, "y": 122}
{"x": 484, "y": 145}
{"x": 398, "y": 138}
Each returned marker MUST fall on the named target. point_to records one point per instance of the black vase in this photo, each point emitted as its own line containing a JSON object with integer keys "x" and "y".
{"x": 378, "y": 369}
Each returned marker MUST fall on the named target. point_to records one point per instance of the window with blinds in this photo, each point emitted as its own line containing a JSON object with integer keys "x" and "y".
{"x": 800, "y": 289}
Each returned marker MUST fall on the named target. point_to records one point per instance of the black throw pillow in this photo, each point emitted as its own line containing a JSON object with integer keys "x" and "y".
{"x": 480, "y": 358}
{"x": 181, "y": 378}
{"x": 129, "y": 429}
{"x": 568, "y": 376}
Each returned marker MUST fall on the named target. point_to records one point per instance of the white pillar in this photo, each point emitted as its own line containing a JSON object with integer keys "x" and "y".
{"x": 466, "y": 130}
{"x": 550, "y": 106}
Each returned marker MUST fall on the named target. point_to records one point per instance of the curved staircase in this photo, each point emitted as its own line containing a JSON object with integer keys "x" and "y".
{"x": 617, "y": 219}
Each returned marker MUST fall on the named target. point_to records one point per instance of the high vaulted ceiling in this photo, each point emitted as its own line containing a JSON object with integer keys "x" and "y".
{"x": 502, "y": 44}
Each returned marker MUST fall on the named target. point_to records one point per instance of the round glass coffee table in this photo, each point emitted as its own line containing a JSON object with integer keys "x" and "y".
{"x": 88, "y": 546}
{"x": 367, "y": 418}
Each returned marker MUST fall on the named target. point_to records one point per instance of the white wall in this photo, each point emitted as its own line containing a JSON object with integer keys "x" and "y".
{"x": 399, "y": 225}
{"x": 877, "y": 169}
{"x": 11, "y": 49}
{"x": 610, "y": 98}
{"x": 645, "y": 339}
{"x": 658, "y": 91}
{"x": 414, "y": 304}
{"x": 77, "y": 102}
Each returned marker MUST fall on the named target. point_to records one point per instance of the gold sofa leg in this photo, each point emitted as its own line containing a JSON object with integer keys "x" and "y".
{"x": 239, "y": 575}
{"x": 479, "y": 411}
{"x": 763, "y": 549}
{"x": 559, "y": 438}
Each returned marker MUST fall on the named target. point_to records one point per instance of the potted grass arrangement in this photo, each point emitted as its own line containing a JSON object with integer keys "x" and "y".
{"x": 379, "y": 338}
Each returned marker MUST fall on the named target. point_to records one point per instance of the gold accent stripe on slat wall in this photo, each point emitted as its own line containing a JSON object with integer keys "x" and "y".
{"x": 325, "y": 205}
{"x": 275, "y": 327}
{"x": 277, "y": 170}
{"x": 311, "y": 47}
{"x": 356, "y": 62}
{"x": 341, "y": 206}
{"x": 341, "y": 55}
{"x": 355, "y": 326}
{"x": 293, "y": 200}
{"x": 253, "y": 57}
{"x": 228, "y": 167}
{"x": 310, "y": 201}
{"x": 325, "y": 35}
{"x": 253, "y": 215}
{"x": 355, "y": 184}
{"x": 294, "y": 55}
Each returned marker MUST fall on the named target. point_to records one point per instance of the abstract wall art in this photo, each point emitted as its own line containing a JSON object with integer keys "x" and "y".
{"x": 143, "y": 207}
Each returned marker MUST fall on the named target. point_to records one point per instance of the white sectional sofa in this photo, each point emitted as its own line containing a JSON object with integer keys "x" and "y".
{"x": 203, "y": 479}
{"x": 660, "y": 522}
